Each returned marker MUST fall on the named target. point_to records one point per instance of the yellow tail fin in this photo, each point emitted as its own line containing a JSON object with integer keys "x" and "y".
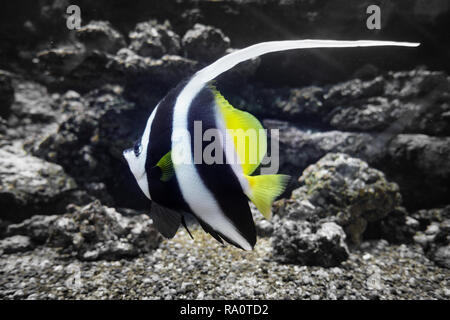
{"x": 264, "y": 189}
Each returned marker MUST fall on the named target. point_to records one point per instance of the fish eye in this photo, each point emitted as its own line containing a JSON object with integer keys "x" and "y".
{"x": 137, "y": 148}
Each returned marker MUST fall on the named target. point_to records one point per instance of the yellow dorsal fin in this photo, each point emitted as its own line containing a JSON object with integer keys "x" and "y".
{"x": 264, "y": 189}
{"x": 166, "y": 166}
{"x": 248, "y": 134}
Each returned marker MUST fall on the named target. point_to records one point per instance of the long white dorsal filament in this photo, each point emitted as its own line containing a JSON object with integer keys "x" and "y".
{"x": 229, "y": 61}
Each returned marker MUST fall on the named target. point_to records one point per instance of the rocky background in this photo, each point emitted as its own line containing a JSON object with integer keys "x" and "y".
{"x": 364, "y": 132}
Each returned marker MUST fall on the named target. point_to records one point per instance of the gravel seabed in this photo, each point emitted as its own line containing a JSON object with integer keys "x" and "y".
{"x": 204, "y": 269}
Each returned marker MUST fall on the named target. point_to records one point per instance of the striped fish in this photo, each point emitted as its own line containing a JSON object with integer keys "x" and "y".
{"x": 217, "y": 193}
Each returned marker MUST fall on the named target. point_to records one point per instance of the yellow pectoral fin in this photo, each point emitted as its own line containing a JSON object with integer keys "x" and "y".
{"x": 264, "y": 189}
{"x": 166, "y": 166}
{"x": 249, "y": 136}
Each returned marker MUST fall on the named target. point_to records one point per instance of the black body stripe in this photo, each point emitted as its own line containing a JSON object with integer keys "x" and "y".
{"x": 220, "y": 178}
{"x": 161, "y": 130}
{"x": 168, "y": 193}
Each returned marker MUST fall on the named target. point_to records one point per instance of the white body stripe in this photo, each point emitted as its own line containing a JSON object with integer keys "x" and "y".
{"x": 231, "y": 153}
{"x": 142, "y": 181}
{"x": 198, "y": 197}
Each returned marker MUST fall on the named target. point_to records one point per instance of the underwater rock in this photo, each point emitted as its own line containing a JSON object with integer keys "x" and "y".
{"x": 97, "y": 232}
{"x": 15, "y": 244}
{"x": 434, "y": 234}
{"x": 300, "y": 242}
{"x": 419, "y": 164}
{"x": 150, "y": 39}
{"x": 301, "y": 147}
{"x": 416, "y": 162}
{"x": 205, "y": 43}
{"x": 101, "y": 50}
{"x": 3, "y": 227}
{"x": 34, "y": 114}
{"x": 168, "y": 69}
{"x": 303, "y": 102}
{"x": 3, "y": 132}
{"x": 416, "y": 101}
{"x": 85, "y": 63}
{"x": 37, "y": 228}
{"x": 297, "y": 207}
{"x": 148, "y": 79}
{"x": 293, "y": 104}
{"x": 101, "y": 36}
{"x": 73, "y": 67}
{"x": 264, "y": 228}
{"x": 33, "y": 103}
{"x": 29, "y": 185}
{"x": 61, "y": 60}
{"x": 90, "y": 232}
{"x": 397, "y": 227}
{"x": 350, "y": 191}
{"x": 6, "y": 93}
{"x": 248, "y": 23}
{"x": 344, "y": 190}
{"x": 427, "y": 216}
{"x": 90, "y": 142}
{"x": 442, "y": 256}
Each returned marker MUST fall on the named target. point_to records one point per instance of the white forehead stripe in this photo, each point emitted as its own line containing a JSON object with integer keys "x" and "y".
{"x": 142, "y": 180}
{"x": 231, "y": 154}
{"x": 148, "y": 129}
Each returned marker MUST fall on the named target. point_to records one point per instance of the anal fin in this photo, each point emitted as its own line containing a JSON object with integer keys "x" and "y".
{"x": 166, "y": 220}
{"x": 209, "y": 230}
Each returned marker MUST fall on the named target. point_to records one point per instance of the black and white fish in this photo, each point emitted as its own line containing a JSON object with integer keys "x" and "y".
{"x": 216, "y": 194}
